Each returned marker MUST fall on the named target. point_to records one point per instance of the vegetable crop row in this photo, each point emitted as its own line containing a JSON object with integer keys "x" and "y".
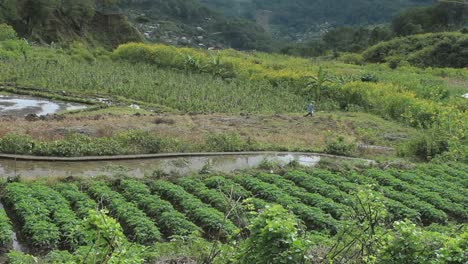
{"x": 61, "y": 213}
{"x": 427, "y": 183}
{"x": 386, "y": 179}
{"x": 168, "y": 219}
{"x": 312, "y": 199}
{"x": 313, "y": 217}
{"x": 80, "y": 202}
{"x": 228, "y": 187}
{"x": 317, "y": 185}
{"x": 140, "y": 227}
{"x": 33, "y": 215}
{"x": 211, "y": 220}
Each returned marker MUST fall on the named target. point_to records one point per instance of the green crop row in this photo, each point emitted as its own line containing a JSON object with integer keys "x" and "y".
{"x": 33, "y": 215}
{"x": 440, "y": 173}
{"x": 228, "y": 187}
{"x": 336, "y": 180}
{"x": 6, "y": 229}
{"x": 79, "y": 201}
{"x": 211, "y": 220}
{"x": 198, "y": 188}
{"x": 386, "y": 179}
{"x": 418, "y": 179}
{"x": 141, "y": 229}
{"x": 313, "y": 217}
{"x": 350, "y": 182}
{"x": 61, "y": 214}
{"x": 312, "y": 199}
{"x": 168, "y": 219}
{"x": 316, "y": 185}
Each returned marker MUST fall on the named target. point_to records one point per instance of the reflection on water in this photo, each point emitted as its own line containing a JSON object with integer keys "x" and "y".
{"x": 140, "y": 168}
{"x": 17, "y": 105}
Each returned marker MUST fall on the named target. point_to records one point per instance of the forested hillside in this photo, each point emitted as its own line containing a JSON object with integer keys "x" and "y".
{"x": 189, "y": 23}
{"x": 298, "y": 19}
{"x": 97, "y": 22}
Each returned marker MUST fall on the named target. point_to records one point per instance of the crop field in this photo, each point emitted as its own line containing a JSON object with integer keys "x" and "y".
{"x": 216, "y": 207}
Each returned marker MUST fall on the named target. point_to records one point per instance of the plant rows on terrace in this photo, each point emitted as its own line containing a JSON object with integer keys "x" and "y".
{"x": 79, "y": 201}
{"x": 168, "y": 219}
{"x": 61, "y": 214}
{"x": 33, "y": 215}
{"x": 313, "y": 217}
{"x": 312, "y": 199}
{"x": 396, "y": 209}
{"x": 228, "y": 187}
{"x": 213, "y": 222}
{"x": 213, "y": 197}
{"x": 140, "y": 228}
{"x": 428, "y": 183}
{"x": 433, "y": 198}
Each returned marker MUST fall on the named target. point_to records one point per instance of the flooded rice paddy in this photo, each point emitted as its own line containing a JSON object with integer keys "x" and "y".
{"x": 19, "y": 105}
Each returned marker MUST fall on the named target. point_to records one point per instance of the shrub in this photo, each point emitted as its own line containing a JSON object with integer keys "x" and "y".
{"x": 16, "y": 144}
{"x": 228, "y": 142}
{"x": 425, "y": 147}
{"x": 274, "y": 238}
{"x": 339, "y": 146}
{"x": 352, "y": 58}
{"x": 15, "y": 257}
{"x": 7, "y": 32}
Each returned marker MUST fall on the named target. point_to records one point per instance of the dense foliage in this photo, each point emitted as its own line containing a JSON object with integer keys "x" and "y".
{"x": 386, "y": 215}
{"x": 426, "y": 50}
{"x": 292, "y": 18}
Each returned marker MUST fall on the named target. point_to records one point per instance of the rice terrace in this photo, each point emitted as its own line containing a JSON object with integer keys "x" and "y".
{"x": 215, "y": 131}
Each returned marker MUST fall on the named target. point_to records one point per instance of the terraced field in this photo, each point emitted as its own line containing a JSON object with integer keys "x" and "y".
{"x": 214, "y": 207}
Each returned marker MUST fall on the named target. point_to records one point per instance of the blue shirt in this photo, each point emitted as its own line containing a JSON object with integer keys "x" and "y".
{"x": 310, "y": 108}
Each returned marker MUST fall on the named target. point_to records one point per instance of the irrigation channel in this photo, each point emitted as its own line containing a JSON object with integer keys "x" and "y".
{"x": 142, "y": 165}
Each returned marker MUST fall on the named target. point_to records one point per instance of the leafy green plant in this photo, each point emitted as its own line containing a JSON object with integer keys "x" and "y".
{"x": 274, "y": 238}
{"x": 6, "y": 230}
{"x": 339, "y": 146}
{"x": 7, "y": 32}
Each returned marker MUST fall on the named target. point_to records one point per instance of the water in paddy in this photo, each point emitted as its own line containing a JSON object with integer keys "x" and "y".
{"x": 18, "y": 105}
{"x": 140, "y": 168}
{"x": 17, "y": 245}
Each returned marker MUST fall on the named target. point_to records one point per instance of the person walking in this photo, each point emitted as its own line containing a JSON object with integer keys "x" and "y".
{"x": 310, "y": 110}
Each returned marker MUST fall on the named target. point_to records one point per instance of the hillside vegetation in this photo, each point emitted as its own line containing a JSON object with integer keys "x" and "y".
{"x": 298, "y": 19}
{"x": 228, "y": 81}
{"x": 48, "y": 21}
{"x": 425, "y": 50}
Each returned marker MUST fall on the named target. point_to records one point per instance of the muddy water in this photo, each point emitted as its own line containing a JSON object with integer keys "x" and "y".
{"x": 16, "y": 245}
{"x": 18, "y": 105}
{"x": 140, "y": 168}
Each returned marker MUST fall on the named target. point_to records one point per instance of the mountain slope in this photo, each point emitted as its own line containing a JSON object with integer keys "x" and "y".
{"x": 189, "y": 23}
{"x": 299, "y": 18}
